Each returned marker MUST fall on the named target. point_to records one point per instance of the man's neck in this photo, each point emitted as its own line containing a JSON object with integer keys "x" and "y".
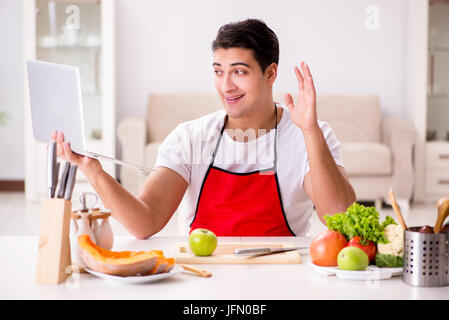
{"x": 263, "y": 119}
{"x": 259, "y": 122}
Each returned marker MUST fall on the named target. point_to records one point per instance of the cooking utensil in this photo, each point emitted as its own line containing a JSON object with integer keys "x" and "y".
{"x": 396, "y": 209}
{"x": 443, "y": 212}
{"x": 70, "y": 182}
{"x": 51, "y": 168}
{"x": 63, "y": 182}
{"x": 261, "y": 251}
{"x": 425, "y": 258}
{"x": 198, "y": 271}
{"x": 83, "y": 200}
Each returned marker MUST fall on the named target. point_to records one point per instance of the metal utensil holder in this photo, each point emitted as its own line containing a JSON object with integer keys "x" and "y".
{"x": 426, "y": 258}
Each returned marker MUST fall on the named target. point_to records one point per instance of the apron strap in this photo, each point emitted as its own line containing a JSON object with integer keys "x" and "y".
{"x": 219, "y": 139}
{"x": 275, "y": 139}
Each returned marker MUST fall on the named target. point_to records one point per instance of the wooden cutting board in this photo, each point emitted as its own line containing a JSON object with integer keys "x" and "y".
{"x": 224, "y": 254}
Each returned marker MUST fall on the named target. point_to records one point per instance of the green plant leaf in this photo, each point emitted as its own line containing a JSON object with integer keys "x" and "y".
{"x": 388, "y": 261}
{"x": 359, "y": 220}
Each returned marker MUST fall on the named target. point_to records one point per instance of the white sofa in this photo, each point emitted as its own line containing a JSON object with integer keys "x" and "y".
{"x": 376, "y": 152}
{"x": 140, "y": 138}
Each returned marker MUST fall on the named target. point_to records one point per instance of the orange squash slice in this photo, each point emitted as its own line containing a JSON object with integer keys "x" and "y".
{"x": 163, "y": 264}
{"x": 122, "y": 263}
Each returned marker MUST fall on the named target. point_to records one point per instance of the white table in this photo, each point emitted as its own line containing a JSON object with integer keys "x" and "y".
{"x": 237, "y": 282}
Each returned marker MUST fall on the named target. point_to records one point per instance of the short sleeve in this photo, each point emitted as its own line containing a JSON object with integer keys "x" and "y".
{"x": 332, "y": 142}
{"x": 175, "y": 152}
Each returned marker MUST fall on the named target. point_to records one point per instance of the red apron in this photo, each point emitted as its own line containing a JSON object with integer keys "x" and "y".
{"x": 241, "y": 204}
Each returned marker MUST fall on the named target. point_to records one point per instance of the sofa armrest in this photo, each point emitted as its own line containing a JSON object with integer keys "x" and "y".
{"x": 400, "y": 135}
{"x": 131, "y": 133}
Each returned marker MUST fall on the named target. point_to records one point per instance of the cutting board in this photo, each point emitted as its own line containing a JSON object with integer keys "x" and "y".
{"x": 224, "y": 254}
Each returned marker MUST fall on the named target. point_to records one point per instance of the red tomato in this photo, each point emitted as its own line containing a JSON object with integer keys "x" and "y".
{"x": 370, "y": 248}
{"x": 325, "y": 247}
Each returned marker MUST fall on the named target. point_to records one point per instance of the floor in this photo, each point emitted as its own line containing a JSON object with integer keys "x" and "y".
{"x": 21, "y": 218}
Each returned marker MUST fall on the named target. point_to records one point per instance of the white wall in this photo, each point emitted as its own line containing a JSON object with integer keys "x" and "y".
{"x": 11, "y": 90}
{"x": 165, "y": 46}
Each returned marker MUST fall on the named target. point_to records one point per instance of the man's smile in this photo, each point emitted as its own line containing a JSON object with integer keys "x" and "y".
{"x": 234, "y": 99}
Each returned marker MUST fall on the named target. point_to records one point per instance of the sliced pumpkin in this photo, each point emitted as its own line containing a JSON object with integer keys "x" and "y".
{"x": 163, "y": 264}
{"x": 122, "y": 263}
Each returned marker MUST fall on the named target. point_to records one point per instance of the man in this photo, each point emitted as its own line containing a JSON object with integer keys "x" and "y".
{"x": 271, "y": 197}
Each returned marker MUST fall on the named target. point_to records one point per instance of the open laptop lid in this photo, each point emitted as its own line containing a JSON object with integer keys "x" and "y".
{"x": 56, "y": 102}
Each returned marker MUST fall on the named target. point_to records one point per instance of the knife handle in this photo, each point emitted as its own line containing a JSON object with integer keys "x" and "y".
{"x": 198, "y": 271}
{"x": 56, "y": 177}
{"x": 62, "y": 185}
{"x": 51, "y": 166}
{"x": 70, "y": 182}
{"x": 245, "y": 251}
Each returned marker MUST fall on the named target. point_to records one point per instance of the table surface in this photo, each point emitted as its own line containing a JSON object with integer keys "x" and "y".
{"x": 236, "y": 281}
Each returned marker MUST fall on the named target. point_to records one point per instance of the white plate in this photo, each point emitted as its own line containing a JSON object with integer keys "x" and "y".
{"x": 371, "y": 273}
{"x": 137, "y": 279}
{"x": 327, "y": 271}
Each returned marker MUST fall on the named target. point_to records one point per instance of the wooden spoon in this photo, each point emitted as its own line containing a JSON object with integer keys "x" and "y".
{"x": 198, "y": 271}
{"x": 397, "y": 210}
{"x": 443, "y": 212}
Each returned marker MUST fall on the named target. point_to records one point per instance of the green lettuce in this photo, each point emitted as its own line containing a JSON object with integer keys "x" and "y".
{"x": 359, "y": 220}
{"x": 388, "y": 261}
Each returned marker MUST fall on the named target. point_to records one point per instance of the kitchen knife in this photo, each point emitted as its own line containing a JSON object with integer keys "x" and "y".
{"x": 261, "y": 251}
{"x": 51, "y": 168}
{"x": 56, "y": 176}
{"x": 70, "y": 182}
{"x": 62, "y": 183}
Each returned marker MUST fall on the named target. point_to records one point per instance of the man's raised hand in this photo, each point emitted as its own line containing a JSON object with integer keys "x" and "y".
{"x": 304, "y": 113}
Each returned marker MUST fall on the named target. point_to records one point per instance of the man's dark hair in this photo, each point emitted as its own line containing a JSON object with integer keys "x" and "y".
{"x": 251, "y": 34}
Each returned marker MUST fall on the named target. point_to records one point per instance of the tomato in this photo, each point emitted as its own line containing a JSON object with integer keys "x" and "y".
{"x": 370, "y": 248}
{"x": 325, "y": 247}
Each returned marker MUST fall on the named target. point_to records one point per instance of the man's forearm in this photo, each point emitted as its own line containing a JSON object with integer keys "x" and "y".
{"x": 331, "y": 192}
{"x": 326, "y": 185}
{"x": 130, "y": 211}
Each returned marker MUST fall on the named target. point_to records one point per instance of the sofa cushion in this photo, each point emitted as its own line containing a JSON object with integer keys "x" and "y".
{"x": 361, "y": 113}
{"x": 366, "y": 159}
{"x": 150, "y": 154}
{"x": 167, "y": 110}
{"x": 353, "y": 117}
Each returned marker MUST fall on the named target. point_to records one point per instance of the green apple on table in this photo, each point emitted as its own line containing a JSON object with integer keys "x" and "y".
{"x": 202, "y": 242}
{"x": 352, "y": 258}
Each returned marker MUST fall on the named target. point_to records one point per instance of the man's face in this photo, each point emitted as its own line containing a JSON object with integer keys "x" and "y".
{"x": 240, "y": 82}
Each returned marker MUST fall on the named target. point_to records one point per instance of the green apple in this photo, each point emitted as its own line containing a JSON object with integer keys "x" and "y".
{"x": 202, "y": 242}
{"x": 352, "y": 258}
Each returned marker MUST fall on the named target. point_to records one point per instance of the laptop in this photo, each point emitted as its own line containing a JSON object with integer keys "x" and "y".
{"x": 56, "y": 104}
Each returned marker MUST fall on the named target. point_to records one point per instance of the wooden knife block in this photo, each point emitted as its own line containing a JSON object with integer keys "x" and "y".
{"x": 53, "y": 260}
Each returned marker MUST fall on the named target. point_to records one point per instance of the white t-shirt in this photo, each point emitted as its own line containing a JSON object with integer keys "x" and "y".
{"x": 188, "y": 150}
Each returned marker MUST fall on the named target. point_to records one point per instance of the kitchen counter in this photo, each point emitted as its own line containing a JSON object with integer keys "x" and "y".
{"x": 236, "y": 282}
